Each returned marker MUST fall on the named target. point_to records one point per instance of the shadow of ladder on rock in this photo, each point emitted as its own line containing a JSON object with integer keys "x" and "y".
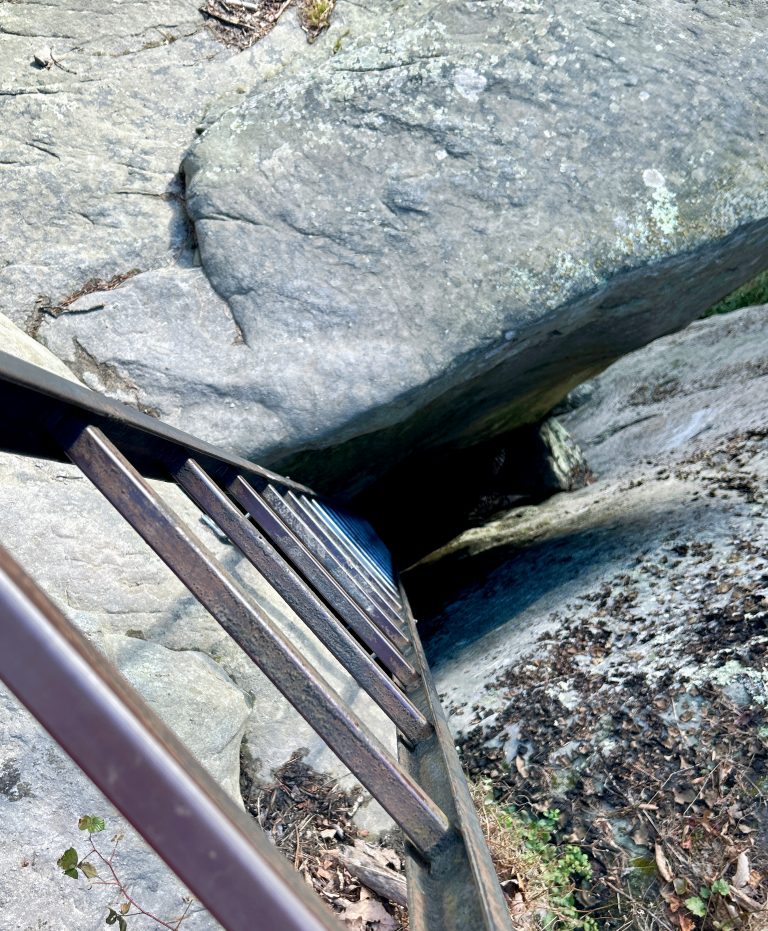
{"x": 336, "y": 575}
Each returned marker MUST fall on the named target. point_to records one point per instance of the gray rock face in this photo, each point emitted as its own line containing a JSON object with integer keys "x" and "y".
{"x": 16, "y": 343}
{"x": 193, "y": 695}
{"x": 42, "y": 795}
{"x": 675, "y": 400}
{"x": 598, "y": 637}
{"x": 431, "y": 236}
{"x": 682, "y": 392}
{"x": 90, "y": 156}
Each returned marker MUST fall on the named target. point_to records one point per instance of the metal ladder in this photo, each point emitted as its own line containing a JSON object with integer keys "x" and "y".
{"x": 337, "y": 576}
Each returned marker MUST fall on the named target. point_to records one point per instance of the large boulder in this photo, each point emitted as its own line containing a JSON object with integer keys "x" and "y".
{"x": 684, "y": 392}
{"x": 430, "y": 237}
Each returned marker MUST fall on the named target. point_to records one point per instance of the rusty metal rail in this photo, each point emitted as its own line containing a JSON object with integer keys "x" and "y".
{"x": 336, "y": 575}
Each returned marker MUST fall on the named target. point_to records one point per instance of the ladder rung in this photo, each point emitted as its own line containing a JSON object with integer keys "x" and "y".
{"x": 301, "y": 599}
{"x": 397, "y": 792}
{"x": 366, "y": 536}
{"x": 272, "y": 526}
{"x": 352, "y": 540}
{"x": 378, "y": 613}
{"x": 354, "y": 560}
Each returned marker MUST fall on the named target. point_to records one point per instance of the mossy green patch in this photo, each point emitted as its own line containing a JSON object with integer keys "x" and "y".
{"x": 752, "y": 293}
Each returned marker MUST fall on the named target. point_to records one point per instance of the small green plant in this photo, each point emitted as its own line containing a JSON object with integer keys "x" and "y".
{"x": 73, "y": 866}
{"x": 526, "y": 854}
{"x": 748, "y": 295}
{"x": 563, "y": 867}
{"x": 698, "y": 905}
{"x": 315, "y": 17}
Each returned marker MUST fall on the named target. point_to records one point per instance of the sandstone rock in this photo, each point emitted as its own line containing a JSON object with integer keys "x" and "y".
{"x": 42, "y": 795}
{"x": 563, "y": 465}
{"x": 194, "y": 697}
{"x": 679, "y": 393}
{"x": 622, "y": 623}
{"x": 697, "y": 388}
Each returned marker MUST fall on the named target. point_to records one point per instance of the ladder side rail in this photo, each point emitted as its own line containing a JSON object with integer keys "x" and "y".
{"x": 330, "y": 717}
{"x": 31, "y": 396}
{"x": 456, "y": 891}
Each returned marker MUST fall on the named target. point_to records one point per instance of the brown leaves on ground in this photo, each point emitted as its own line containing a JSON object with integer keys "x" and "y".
{"x": 241, "y": 23}
{"x": 368, "y": 912}
{"x": 309, "y": 817}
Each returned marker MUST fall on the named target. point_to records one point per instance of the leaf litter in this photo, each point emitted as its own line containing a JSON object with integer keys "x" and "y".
{"x": 309, "y": 818}
{"x": 648, "y": 729}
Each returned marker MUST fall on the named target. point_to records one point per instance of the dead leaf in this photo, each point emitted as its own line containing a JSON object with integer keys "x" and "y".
{"x": 662, "y": 864}
{"x": 641, "y": 837}
{"x": 44, "y": 58}
{"x": 520, "y": 766}
{"x": 741, "y": 876}
{"x": 674, "y": 902}
{"x": 368, "y": 911}
{"x": 684, "y": 796}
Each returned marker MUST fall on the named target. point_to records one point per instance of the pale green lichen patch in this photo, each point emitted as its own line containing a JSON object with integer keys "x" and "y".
{"x": 664, "y": 212}
{"x": 755, "y": 681}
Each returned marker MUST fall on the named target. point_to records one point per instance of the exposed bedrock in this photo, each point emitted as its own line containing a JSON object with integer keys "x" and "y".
{"x": 584, "y": 647}
{"x": 680, "y": 400}
{"x": 427, "y": 239}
